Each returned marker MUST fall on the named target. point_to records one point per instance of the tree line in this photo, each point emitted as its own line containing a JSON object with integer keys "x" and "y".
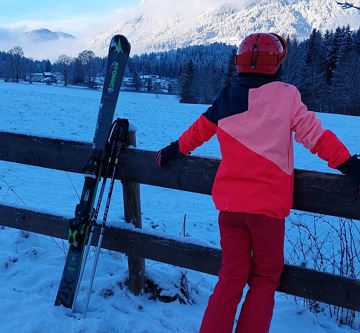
{"x": 80, "y": 70}
{"x": 325, "y": 67}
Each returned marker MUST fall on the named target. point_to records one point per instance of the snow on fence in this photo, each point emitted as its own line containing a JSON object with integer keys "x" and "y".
{"x": 314, "y": 192}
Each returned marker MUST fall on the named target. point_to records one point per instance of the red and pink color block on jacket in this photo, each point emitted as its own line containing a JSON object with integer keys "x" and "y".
{"x": 256, "y": 174}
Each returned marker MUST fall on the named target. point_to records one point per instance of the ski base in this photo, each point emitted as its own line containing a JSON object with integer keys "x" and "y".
{"x": 66, "y": 293}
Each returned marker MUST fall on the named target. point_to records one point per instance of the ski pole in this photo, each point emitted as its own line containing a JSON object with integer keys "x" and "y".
{"x": 94, "y": 217}
{"x": 120, "y": 142}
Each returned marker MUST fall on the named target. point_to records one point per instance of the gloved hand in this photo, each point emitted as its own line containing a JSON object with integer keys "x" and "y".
{"x": 167, "y": 153}
{"x": 351, "y": 167}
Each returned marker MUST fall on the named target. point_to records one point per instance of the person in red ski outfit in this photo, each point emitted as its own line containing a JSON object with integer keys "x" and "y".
{"x": 254, "y": 119}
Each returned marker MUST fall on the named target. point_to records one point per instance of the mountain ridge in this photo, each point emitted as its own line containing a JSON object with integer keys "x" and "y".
{"x": 151, "y": 28}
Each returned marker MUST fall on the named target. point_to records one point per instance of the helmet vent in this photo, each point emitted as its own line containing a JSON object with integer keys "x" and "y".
{"x": 254, "y": 55}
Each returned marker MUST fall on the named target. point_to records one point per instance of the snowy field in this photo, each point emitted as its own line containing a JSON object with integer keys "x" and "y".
{"x": 31, "y": 265}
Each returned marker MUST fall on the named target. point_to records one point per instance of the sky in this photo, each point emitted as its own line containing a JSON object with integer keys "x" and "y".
{"x": 74, "y": 16}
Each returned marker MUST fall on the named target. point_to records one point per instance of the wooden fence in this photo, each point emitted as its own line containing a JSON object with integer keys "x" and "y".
{"x": 314, "y": 192}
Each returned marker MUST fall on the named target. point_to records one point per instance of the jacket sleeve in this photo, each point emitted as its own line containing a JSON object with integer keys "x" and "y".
{"x": 198, "y": 133}
{"x": 309, "y": 132}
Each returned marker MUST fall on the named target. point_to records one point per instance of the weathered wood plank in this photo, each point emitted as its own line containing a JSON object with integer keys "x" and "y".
{"x": 314, "y": 192}
{"x": 302, "y": 282}
{"x": 44, "y": 152}
{"x": 132, "y": 213}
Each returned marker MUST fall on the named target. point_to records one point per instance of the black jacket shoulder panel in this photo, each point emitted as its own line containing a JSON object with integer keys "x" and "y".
{"x": 233, "y": 99}
{"x": 212, "y": 113}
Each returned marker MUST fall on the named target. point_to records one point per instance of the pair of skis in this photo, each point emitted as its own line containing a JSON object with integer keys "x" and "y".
{"x": 109, "y": 139}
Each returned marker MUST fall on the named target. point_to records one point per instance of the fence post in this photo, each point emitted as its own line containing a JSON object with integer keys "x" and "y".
{"x": 132, "y": 212}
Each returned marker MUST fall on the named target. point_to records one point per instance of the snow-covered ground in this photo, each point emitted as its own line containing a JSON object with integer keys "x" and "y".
{"x": 31, "y": 265}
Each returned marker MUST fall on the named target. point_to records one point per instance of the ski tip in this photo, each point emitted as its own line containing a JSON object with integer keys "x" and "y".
{"x": 119, "y": 43}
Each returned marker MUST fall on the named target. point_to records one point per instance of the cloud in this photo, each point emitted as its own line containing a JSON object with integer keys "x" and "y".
{"x": 5, "y": 34}
{"x": 162, "y": 9}
{"x": 52, "y": 49}
{"x": 10, "y": 38}
{"x": 173, "y": 7}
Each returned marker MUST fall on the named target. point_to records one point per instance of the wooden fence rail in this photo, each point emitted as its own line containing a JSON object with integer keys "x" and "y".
{"x": 317, "y": 192}
{"x": 314, "y": 192}
{"x": 297, "y": 281}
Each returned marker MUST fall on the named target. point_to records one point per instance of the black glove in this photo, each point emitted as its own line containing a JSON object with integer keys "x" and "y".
{"x": 351, "y": 167}
{"x": 167, "y": 153}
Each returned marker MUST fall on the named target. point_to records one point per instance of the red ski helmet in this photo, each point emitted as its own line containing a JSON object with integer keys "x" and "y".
{"x": 261, "y": 53}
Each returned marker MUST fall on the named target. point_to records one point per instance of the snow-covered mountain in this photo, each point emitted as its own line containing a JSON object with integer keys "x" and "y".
{"x": 40, "y": 43}
{"x": 44, "y": 35}
{"x": 157, "y": 25}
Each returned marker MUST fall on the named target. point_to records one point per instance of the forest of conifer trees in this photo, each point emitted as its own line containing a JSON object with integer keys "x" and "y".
{"x": 325, "y": 67}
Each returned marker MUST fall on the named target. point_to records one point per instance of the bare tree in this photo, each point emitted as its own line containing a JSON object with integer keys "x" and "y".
{"x": 16, "y": 56}
{"x": 28, "y": 65}
{"x": 347, "y": 5}
{"x": 63, "y": 64}
{"x": 87, "y": 59}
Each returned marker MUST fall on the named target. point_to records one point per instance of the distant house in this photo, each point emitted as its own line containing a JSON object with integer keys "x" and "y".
{"x": 35, "y": 77}
{"x": 128, "y": 82}
{"x": 99, "y": 80}
{"x": 150, "y": 83}
{"x": 151, "y": 77}
{"x": 49, "y": 77}
{"x": 46, "y": 77}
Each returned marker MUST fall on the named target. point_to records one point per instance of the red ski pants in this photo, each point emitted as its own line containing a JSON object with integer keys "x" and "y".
{"x": 252, "y": 252}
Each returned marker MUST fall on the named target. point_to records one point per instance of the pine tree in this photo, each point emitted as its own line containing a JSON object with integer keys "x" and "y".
{"x": 28, "y": 69}
{"x": 78, "y": 76}
{"x": 345, "y": 95}
{"x": 356, "y": 42}
{"x": 334, "y": 53}
{"x": 48, "y": 66}
{"x": 187, "y": 81}
{"x": 216, "y": 83}
{"x": 312, "y": 74}
{"x": 231, "y": 68}
{"x": 348, "y": 40}
{"x": 293, "y": 66}
{"x": 136, "y": 81}
{"x": 327, "y": 63}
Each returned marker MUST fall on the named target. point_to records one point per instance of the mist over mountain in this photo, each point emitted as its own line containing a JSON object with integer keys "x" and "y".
{"x": 156, "y": 25}
{"x": 44, "y": 35}
{"x": 40, "y": 43}
{"x": 36, "y": 35}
